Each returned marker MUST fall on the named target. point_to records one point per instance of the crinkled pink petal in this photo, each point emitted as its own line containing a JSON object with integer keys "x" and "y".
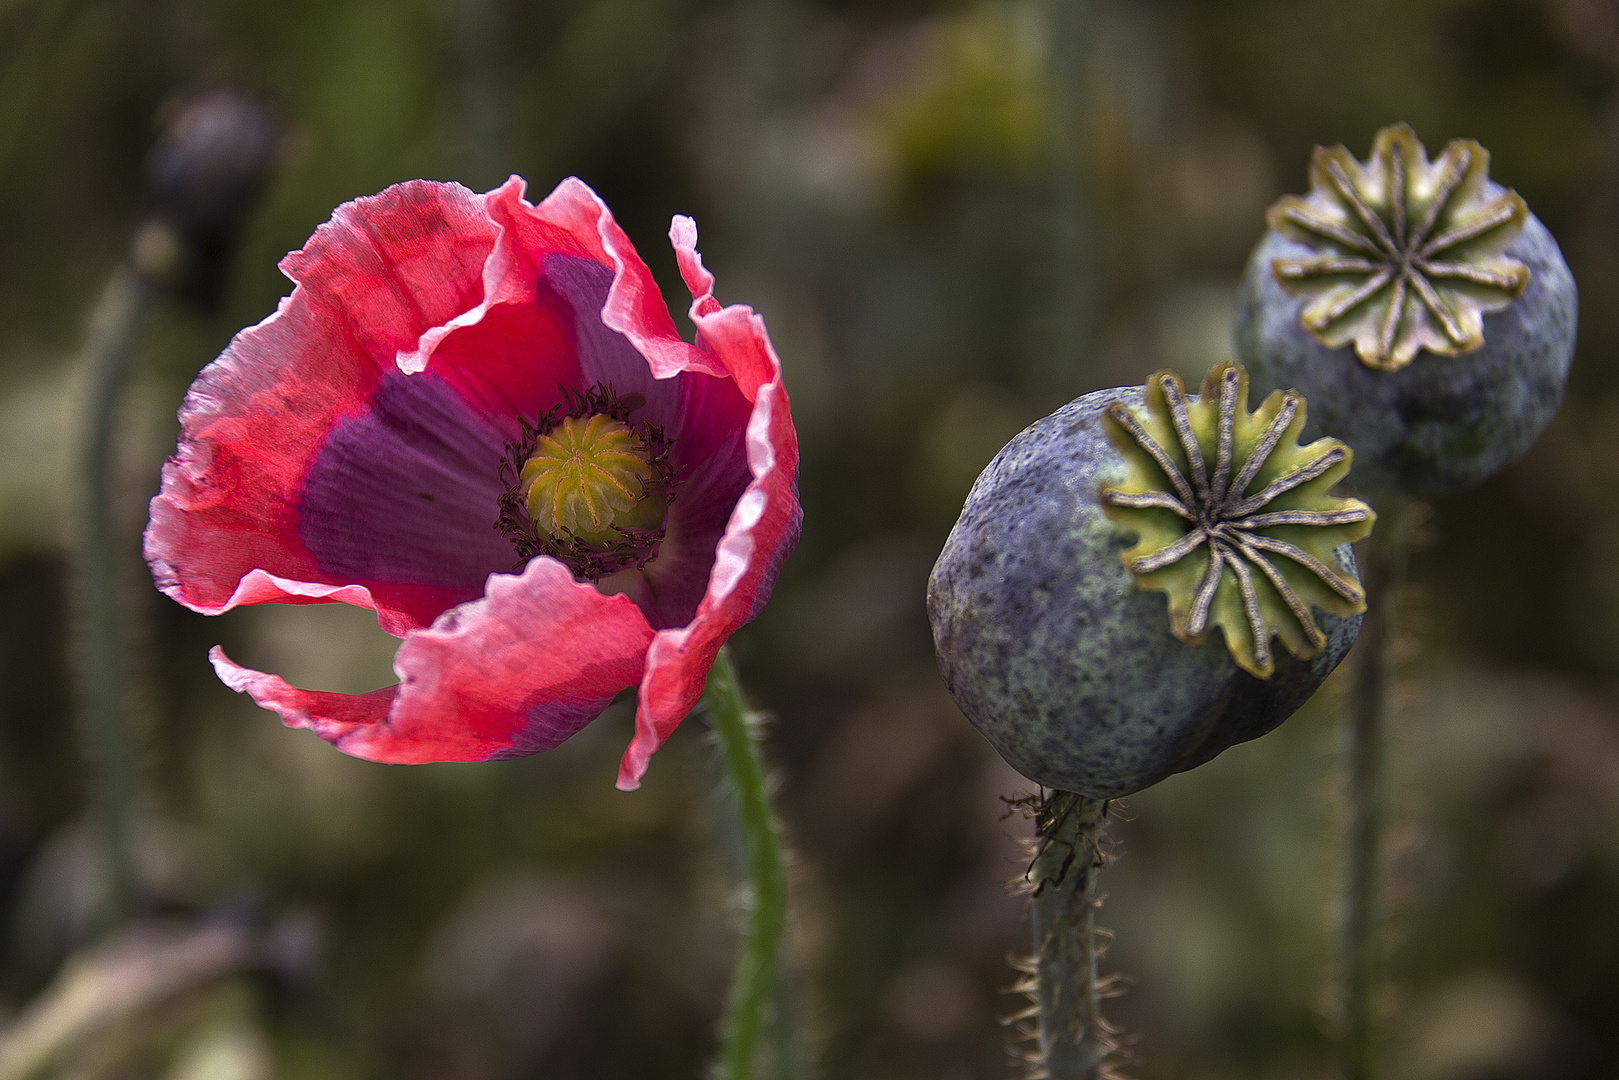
{"x": 392, "y": 267}
{"x": 383, "y": 272}
{"x": 634, "y": 307}
{"x": 735, "y": 335}
{"x": 762, "y": 530}
{"x": 683, "y": 235}
{"x": 500, "y": 354}
{"x": 261, "y": 587}
{"x": 507, "y": 354}
{"x": 512, "y": 674}
{"x": 329, "y": 715}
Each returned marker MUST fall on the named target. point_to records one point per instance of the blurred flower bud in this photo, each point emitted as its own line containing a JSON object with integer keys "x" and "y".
{"x": 208, "y": 168}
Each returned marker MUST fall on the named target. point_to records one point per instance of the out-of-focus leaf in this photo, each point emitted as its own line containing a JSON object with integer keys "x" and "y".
{"x": 139, "y": 969}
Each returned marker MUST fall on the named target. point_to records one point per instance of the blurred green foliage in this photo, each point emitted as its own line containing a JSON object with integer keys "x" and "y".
{"x": 955, "y": 216}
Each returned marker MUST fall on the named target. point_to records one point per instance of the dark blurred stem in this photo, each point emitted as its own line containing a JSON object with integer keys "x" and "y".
{"x": 754, "y": 987}
{"x": 1384, "y": 558}
{"x": 480, "y": 54}
{"x": 1074, "y": 1039}
{"x": 1063, "y": 322}
{"x": 109, "y": 350}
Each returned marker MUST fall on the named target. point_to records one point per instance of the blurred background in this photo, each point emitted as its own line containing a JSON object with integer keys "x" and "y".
{"x": 954, "y": 216}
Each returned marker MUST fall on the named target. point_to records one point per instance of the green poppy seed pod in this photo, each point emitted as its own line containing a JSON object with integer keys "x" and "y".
{"x": 1432, "y": 332}
{"x": 1048, "y": 602}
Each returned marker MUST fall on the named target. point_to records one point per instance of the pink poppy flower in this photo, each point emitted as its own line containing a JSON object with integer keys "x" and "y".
{"x": 474, "y": 415}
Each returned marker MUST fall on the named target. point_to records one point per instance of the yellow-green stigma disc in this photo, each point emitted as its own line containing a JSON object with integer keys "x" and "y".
{"x": 588, "y": 475}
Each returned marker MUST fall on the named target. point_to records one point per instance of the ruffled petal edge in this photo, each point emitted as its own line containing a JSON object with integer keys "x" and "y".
{"x": 511, "y": 674}
{"x": 763, "y": 528}
{"x": 634, "y": 307}
{"x": 223, "y": 528}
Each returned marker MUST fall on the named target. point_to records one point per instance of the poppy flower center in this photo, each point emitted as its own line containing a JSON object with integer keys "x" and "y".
{"x": 588, "y": 484}
{"x": 588, "y": 477}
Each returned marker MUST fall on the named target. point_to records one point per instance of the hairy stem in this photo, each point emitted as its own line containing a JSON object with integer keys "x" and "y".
{"x": 108, "y": 353}
{"x": 754, "y": 987}
{"x": 1074, "y": 1040}
{"x": 1385, "y": 556}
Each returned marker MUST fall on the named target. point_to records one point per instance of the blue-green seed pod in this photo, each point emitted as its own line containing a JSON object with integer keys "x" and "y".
{"x": 1432, "y": 333}
{"x": 1052, "y": 630}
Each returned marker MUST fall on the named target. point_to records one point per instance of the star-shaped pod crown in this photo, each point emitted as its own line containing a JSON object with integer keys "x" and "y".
{"x": 1234, "y": 517}
{"x": 1408, "y": 253}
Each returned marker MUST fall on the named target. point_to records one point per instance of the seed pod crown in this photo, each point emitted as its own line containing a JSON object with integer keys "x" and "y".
{"x": 1407, "y": 254}
{"x": 1234, "y": 517}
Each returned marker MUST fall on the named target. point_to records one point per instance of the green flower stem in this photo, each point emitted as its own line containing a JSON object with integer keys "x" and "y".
{"x": 755, "y": 985}
{"x": 1074, "y": 1040}
{"x": 108, "y": 354}
{"x": 1385, "y": 556}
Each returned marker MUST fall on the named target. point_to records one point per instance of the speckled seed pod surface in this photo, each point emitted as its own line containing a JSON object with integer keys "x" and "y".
{"x": 1440, "y": 423}
{"x": 1056, "y": 654}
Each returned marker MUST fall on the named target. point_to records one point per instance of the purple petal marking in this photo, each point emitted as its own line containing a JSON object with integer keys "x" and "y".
{"x": 713, "y": 455}
{"x": 406, "y": 492}
{"x": 548, "y": 726}
{"x": 579, "y": 286}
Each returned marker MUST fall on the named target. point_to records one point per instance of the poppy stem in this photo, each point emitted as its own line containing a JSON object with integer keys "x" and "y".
{"x": 108, "y": 353}
{"x": 754, "y": 986}
{"x": 1385, "y": 555}
{"x": 1075, "y": 1042}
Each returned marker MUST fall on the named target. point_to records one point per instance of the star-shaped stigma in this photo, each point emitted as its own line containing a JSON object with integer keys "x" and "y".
{"x": 1234, "y": 516}
{"x": 1408, "y": 253}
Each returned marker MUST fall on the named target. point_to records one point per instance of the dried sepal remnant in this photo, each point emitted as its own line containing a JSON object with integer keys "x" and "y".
{"x": 1408, "y": 252}
{"x": 1234, "y": 517}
